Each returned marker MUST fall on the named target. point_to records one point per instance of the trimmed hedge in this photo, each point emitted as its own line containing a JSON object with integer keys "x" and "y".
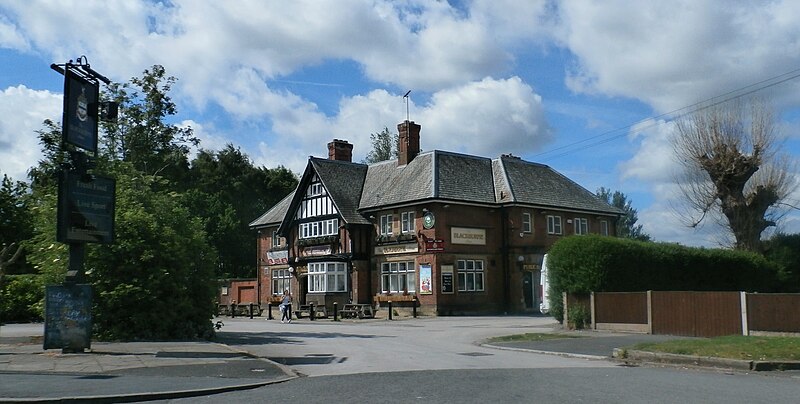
{"x": 584, "y": 264}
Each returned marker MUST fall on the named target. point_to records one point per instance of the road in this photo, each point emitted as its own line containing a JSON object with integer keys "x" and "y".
{"x": 440, "y": 360}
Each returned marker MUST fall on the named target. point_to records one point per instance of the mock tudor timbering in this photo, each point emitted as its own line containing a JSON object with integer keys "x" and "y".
{"x": 456, "y": 233}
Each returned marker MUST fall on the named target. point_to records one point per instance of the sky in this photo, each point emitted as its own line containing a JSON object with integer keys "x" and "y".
{"x": 589, "y": 88}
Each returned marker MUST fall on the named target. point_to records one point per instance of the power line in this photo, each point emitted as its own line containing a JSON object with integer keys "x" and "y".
{"x": 698, "y": 106}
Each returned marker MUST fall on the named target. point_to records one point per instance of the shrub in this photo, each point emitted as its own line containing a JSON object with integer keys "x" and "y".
{"x": 21, "y": 298}
{"x": 579, "y": 316}
{"x": 584, "y": 264}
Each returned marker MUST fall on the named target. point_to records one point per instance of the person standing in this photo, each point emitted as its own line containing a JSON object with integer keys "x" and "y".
{"x": 286, "y": 307}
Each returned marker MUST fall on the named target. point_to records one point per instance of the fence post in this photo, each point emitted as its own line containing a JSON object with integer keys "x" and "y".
{"x": 591, "y": 309}
{"x": 743, "y": 303}
{"x": 565, "y": 321}
{"x": 650, "y": 312}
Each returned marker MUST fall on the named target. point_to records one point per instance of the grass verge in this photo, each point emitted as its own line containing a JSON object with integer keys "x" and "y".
{"x": 731, "y": 347}
{"x": 531, "y": 337}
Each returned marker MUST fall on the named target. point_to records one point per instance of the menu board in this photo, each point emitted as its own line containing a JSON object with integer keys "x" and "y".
{"x": 68, "y": 317}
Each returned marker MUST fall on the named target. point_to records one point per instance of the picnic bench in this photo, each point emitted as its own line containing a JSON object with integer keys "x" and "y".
{"x": 305, "y": 310}
{"x": 357, "y": 310}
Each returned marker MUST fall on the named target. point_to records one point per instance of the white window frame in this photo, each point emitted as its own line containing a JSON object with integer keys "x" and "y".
{"x": 527, "y": 222}
{"x": 281, "y": 280}
{"x": 386, "y": 225}
{"x": 554, "y": 225}
{"x": 315, "y": 189}
{"x": 327, "y": 277}
{"x": 471, "y": 276}
{"x": 604, "y": 227}
{"x": 407, "y": 224}
{"x": 276, "y": 240}
{"x": 581, "y": 225}
{"x": 321, "y": 228}
{"x": 398, "y": 277}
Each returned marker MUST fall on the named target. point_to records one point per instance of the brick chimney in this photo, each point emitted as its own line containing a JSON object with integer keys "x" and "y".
{"x": 408, "y": 146}
{"x": 340, "y": 150}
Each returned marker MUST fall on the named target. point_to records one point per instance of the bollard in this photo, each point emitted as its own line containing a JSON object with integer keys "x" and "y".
{"x": 233, "y": 310}
{"x": 251, "y": 311}
{"x": 390, "y": 309}
{"x": 289, "y": 307}
{"x": 335, "y": 311}
{"x": 414, "y": 307}
{"x": 269, "y": 311}
{"x": 311, "y": 311}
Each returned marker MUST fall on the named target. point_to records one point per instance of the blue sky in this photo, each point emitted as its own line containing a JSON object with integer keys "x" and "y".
{"x": 532, "y": 78}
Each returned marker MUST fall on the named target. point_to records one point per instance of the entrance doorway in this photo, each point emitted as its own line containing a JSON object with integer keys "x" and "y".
{"x": 528, "y": 290}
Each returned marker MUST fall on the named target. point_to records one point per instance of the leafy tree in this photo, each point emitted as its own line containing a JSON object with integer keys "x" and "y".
{"x": 229, "y": 192}
{"x": 784, "y": 249}
{"x": 142, "y": 135}
{"x": 626, "y": 225}
{"x": 732, "y": 163}
{"x": 16, "y": 225}
{"x": 384, "y": 146}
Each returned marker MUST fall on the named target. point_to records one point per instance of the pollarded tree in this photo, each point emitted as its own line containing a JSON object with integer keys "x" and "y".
{"x": 732, "y": 166}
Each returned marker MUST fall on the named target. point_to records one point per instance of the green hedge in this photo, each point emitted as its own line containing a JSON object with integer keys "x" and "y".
{"x": 584, "y": 264}
{"x": 21, "y": 299}
{"x": 784, "y": 250}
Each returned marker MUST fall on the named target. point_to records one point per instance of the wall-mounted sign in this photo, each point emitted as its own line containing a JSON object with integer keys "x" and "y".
{"x": 277, "y": 257}
{"x": 425, "y": 281}
{"x": 447, "y": 279}
{"x": 428, "y": 220}
{"x": 531, "y": 267}
{"x": 396, "y": 249}
{"x": 434, "y": 245}
{"x": 315, "y": 251}
{"x": 465, "y": 235}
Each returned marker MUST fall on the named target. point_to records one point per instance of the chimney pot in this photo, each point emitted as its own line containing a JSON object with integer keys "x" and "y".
{"x": 340, "y": 150}
{"x": 408, "y": 139}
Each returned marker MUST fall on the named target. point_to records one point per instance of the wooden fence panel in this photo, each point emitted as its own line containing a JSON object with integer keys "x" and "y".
{"x": 774, "y": 312}
{"x": 621, "y": 307}
{"x": 696, "y": 314}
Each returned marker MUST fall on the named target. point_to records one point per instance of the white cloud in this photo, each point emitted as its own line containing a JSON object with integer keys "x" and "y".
{"x": 23, "y": 111}
{"x": 654, "y": 160}
{"x": 672, "y": 54}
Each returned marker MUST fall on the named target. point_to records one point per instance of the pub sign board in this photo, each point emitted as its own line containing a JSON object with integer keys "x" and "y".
{"x": 80, "y": 111}
{"x": 85, "y": 209}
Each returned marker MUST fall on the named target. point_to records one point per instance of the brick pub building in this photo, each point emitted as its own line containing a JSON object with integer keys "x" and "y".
{"x": 461, "y": 234}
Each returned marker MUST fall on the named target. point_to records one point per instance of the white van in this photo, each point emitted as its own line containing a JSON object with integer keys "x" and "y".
{"x": 544, "y": 306}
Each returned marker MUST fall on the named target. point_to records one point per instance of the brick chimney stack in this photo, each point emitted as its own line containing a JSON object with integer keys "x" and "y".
{"x": 408, "y": 146}
{"x": 340, "y": 150}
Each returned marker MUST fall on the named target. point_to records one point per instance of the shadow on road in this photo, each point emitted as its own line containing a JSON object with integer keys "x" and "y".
{"x": 291, "y": 338}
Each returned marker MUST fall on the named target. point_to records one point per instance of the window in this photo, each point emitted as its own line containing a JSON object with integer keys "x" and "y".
{"x": 327, "y": 277}
{"x": 398, "y": 277}
{"x": 321, "y": 228}
{"x": 581, "y": 225}
{"x": 553, "y": 224}
{"x": 527, "y": 224}
{"x": 604, "y": 227}
{"x": 407, "y": 222}
{"x": 281, "y": 279}
{"x": 386, "y": 225}
{"x": 470, "y": 275}
{"x": 276, "y": 240}
{"x": 314, "y": 189}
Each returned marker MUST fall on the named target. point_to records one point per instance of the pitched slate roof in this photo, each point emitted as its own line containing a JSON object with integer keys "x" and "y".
{"x": 538, "y": 184}
{"x": 343, "y": 181}
{"x": 275, "y": 214}
{"x": 437, "y": 175}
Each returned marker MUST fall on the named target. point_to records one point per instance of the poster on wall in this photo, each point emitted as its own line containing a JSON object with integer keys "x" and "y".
{"x": 425, "y": 286}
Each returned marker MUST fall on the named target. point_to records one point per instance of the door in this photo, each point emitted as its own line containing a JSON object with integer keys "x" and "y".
{"x": 527, "y": 289}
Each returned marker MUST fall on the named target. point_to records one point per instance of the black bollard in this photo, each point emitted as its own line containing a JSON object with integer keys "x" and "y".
{"x": 335, "y": 311}
{"x": 390, "y": 309}
{"x": 414, "y": 307}
{"x": 311, "y": 311}
{"x": 289, "y": 307}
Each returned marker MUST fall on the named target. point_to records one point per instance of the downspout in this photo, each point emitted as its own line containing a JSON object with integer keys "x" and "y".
{"x": 504, "y": 251}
